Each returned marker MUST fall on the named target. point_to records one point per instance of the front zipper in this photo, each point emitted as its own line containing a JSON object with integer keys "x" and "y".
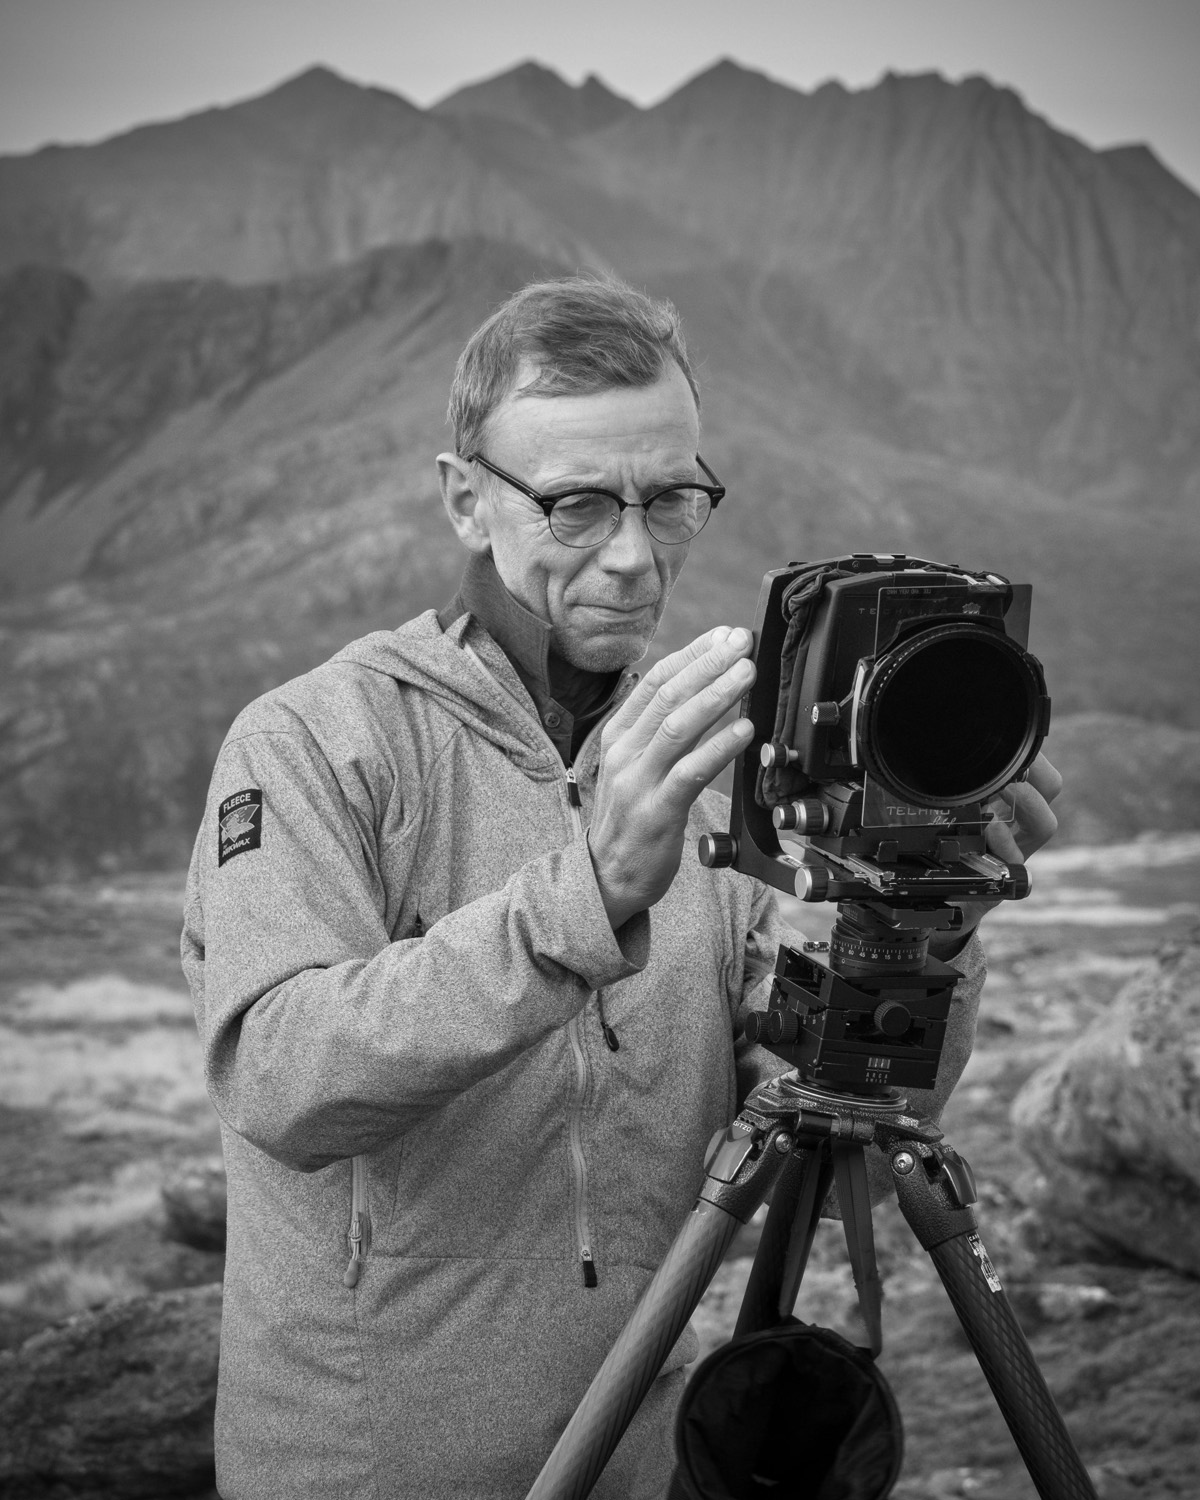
{"x": 358, "y": 1235}
{"x": 576, "y": 803}
{"x": 583, "y": 1239}
{"x": 578, "y": 1160}
{"x": 575, "y": 800}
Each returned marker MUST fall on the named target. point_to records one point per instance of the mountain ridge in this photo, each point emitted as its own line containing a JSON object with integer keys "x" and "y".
{"x": 536, "y": 96}
{"x": 945, "y": 227}
{"x": 924, "y": 321}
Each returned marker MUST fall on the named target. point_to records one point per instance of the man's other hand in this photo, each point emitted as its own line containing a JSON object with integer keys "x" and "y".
{"x": 1024, "y": 820}
{"x": 655, "y": 761}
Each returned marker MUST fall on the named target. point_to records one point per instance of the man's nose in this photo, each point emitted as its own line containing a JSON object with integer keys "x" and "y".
{"x": 628, "y": 549}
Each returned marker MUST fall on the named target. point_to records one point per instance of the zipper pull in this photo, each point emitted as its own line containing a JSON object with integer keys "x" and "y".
{"x": 590, "y": 1279}
{"x": 354, "y": 1269}
{"x": 610, "y": 1036}
{"x": 573, "y": 796}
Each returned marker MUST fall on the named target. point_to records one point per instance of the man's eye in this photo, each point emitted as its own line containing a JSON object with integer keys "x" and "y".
{"x": 579, "y": 509}
{"x": 678, "y": 502}
{"x": 584, "y": 499}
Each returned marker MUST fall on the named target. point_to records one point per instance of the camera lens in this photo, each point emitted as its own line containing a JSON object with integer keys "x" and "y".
{"x": 951, "y": 715}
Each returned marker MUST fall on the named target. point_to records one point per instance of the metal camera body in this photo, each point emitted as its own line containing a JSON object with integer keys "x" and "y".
{"x": 887, "y": 714}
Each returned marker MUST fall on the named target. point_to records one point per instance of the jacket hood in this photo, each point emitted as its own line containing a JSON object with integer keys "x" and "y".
{"x": 469, "y": 676}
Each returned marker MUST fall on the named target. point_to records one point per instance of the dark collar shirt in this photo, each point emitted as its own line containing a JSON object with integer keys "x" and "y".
{"x": 568, "y": 700}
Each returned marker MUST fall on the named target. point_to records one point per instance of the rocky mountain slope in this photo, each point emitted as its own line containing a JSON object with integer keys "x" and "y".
{"x": 925, "y": 320}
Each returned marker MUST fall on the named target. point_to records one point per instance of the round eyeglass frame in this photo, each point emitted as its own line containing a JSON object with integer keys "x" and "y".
{"x": 715, "y": 492}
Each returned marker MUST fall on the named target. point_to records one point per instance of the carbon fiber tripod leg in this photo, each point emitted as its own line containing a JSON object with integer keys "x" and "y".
{"x": 786, "y": 1239}
{"x": 946, "y": 1228}
{"x": 1007, "y": 1361}
{"x": 628, "y": 1371}
{"x": 854, "y": 1198}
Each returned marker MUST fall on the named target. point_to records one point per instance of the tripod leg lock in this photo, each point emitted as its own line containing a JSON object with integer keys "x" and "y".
{"x": 959, "y": 1178}
{"x": 741, "y": 1166}
{"x": 935, "y": 1187}
{"x": 729, "y": 1148}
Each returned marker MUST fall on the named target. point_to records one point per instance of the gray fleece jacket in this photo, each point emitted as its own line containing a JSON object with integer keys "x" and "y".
{"x": 446, "y": 1190}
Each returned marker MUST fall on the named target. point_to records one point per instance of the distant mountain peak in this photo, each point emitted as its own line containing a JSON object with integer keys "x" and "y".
{"x": 727, "y": 72}
{"x": 540, "y": 99}
{"x": 321, "y": 87}
{"x": 729, "y": 82}
{"x": 319, "y": 75}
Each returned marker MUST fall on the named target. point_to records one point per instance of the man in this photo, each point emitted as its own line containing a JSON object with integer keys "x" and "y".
{"x": 468, "y": 1001}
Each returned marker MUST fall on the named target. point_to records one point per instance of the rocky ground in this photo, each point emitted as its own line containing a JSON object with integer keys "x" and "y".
{"x": 101, "y": 1100}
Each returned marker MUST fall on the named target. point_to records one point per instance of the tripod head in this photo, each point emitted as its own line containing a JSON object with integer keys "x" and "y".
{"x": 865, "y": 1013}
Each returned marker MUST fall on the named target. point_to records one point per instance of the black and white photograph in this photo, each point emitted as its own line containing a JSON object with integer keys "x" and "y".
{"x": 600, "y": 750}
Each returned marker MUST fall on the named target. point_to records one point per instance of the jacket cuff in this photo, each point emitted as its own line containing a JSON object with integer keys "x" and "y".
{"x": 599, "y": 955}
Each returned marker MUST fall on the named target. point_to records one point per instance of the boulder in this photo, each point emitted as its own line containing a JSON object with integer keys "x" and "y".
{"x": 1113, "y": 1123}
{"x": 194, "y": 1203}
{"x": 114, "y": 1404}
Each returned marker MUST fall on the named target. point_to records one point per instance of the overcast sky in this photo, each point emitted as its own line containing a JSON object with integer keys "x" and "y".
{"x": 1109, "y": 71}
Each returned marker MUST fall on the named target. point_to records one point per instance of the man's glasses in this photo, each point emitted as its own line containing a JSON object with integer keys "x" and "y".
{"x": 587, "y": 517}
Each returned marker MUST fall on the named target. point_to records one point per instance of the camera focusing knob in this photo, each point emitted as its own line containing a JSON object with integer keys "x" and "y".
{"x": 893, "y": 1018}
{"x": 824, "y": 714}
{"x": 808, "y": 815}
{"x": 812, "y": 882}
{"x": 776, "y": 753}
{"x": 717, "y": 850}
{"x": 783, "y": 1026}
{"x": 1021, "y": 883}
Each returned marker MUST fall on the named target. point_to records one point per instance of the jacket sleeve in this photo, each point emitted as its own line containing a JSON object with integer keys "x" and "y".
{"x": 322, "y": 1037}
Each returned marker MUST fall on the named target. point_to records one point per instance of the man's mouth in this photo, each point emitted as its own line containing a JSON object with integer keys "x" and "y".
{"x": 622, "y": 609}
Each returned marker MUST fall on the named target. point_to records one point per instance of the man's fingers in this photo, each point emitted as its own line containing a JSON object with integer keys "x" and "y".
{"x": 1036, "y": 824}
{"x": 681, "y": 726}
{"x": 693, "y": 689}
{"x": 695, "y": 770}
{"x": 659, "y": 675}
{"x": 1044, "y": 778}
{"x": 1030, "y": 820}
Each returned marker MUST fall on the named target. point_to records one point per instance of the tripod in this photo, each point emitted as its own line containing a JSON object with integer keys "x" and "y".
{"x": 798, "y": 1135}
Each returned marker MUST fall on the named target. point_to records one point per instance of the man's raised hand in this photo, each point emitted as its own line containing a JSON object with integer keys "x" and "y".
{"x": 655, "y": 761}
{"x": 1024, "y": 820}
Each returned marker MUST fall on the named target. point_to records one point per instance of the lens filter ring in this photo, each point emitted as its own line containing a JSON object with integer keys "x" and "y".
{"x": 950, "y": 715}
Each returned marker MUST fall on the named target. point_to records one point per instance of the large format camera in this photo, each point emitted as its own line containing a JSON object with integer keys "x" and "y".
{"x": 894, "y": 698}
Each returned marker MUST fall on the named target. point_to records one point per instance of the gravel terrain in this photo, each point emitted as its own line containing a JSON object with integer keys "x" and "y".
{"x": 101, "y": 1097}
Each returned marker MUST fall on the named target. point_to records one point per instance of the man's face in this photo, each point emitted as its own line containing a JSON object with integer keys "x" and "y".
{"x": 603, "y": 603}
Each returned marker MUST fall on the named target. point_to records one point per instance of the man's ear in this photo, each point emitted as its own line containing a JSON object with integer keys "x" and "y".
{"x": 464, "y": 505}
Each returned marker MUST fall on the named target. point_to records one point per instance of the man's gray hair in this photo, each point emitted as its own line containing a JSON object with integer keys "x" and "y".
{"x": 580, "y": 335}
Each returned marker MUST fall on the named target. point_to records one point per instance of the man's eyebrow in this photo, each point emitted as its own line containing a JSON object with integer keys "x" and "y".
{"x": 569, "y": 479}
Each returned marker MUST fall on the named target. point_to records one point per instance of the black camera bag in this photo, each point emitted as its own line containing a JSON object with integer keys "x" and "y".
{"x": 794, "y": 1412}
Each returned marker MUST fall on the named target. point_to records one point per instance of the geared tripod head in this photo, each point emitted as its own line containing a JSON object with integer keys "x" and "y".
{"x": 866, "y": 1011}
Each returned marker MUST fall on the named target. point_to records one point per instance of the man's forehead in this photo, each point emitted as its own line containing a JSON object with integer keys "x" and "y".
{"x": 661, "y": 414}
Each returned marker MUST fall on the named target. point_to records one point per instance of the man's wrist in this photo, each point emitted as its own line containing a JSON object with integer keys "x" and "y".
{"x": 946, "y": 944}
{"x": 618, "y": 908}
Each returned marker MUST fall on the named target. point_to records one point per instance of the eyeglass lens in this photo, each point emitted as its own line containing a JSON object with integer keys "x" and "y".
{"x": 585, "y": 519}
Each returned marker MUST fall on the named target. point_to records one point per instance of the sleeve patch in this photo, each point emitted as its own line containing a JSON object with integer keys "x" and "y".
{"x": 239, "y": 824}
